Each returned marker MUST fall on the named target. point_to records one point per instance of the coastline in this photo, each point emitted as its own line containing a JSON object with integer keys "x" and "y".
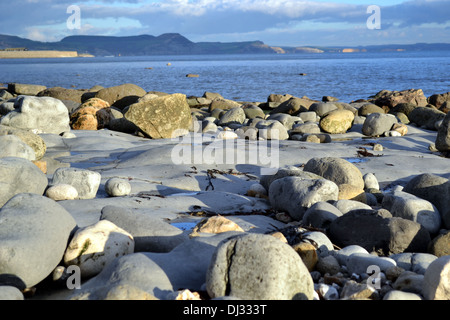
{"x": 40, "y": 54}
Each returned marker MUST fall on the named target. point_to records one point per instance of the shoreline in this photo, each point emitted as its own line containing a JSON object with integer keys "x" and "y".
{"x": 36, "y": 54}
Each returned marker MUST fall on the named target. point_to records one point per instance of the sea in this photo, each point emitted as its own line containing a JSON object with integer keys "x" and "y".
{"x": 245, "y": 77}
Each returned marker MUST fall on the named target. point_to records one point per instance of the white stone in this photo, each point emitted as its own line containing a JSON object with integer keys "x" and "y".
{"x": 85, "y": 181}
{"x": 62, "y": 192}
{"x": 93, "y": 247}
{"x": 116, "y": 187}
{"x": 436, "y": 284}
{"x": 371, "y": 181}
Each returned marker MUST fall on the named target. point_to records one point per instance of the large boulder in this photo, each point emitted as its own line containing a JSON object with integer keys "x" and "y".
{"x": 45, "y": 114}
{"x": 18, "y": 175}
{"x": 376, "y": 124}
{"x": 62, "y": 94}
{"x": 337, "y": 121}
{"x": 163, "y": 117}
{"x": 120, "y": 96}
{"x": 296, "y": 194}
{"x": 258, "y": 267}
{"x": 391, "y": 98}
{"x": 30, "y": 138}
{"x": 426, "y": 117}
{"x": 338, "y": 170}
{"x": 33, "y": 237}
{"x": 439, "y": 99}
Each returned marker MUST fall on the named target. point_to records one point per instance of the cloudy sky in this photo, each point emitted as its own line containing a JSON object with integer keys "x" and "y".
{"x": 276, "y": 22}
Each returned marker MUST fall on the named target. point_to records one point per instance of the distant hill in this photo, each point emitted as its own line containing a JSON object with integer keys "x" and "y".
{"x": 176, "y": 44}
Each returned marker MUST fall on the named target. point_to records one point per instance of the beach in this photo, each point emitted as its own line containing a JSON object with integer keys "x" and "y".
{"x": 128, "y": 194}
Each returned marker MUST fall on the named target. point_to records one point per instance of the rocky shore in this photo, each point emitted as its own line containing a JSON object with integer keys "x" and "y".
{"x": 122, "y": 194}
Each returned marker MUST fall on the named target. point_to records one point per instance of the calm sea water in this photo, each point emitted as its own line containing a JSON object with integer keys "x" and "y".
{"x": 347, "y": 76}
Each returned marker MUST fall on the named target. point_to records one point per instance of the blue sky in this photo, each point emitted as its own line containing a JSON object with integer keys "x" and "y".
{"x": 276, "y": 22}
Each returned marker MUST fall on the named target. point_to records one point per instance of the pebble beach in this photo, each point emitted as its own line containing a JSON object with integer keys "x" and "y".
{"x": 118, "y": 193}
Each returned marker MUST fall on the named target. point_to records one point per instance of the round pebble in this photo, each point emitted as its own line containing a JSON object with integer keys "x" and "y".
{"x": 116, "y": 187}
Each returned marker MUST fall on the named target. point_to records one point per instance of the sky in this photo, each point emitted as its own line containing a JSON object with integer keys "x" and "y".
{"x": 275, "y": 22}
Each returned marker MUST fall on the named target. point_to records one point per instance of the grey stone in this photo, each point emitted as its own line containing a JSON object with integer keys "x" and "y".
{"x": 255, "y": 266}
{"x": 252, "y": 111}
{"x": 295, "y": 194}
{"x": 338, "y": 170}
{"x": 370, "y": 181}
{"x": 308, "y": 116}
{"x": 6, "y": 107}
{"x": 303, "y": 128}
{"x": 272, "y": 130}
{"x": 343, "y": 254}
{"x": 25, "y": 89}
{"x": 401, "y": 295}
{"x": 10, "y": 293}
{"x": 116, "y": 187}
{"x": 328, "y": 264}
{"x": 120, "y": 96}
{"x": 409, "y": 282}
{"x": 285, "y": 119}
{"x": 359, "y": 263}
{"x": 150, "y": 234}
{"x": 421, "y": 261}
{"x": 232, "y": 116}
{"x": 345, "y": 205}
{"x": 18, "y": 175}
{"x": 405, "y": 205}
{"x": 319, "y": 240}
{"x": 48, "y": 115}
{"x": 435, "y": 189}
{"x": 34, "y": 233}
{"x": 31, "y": 139}
{"x": 320, "y": 215}
{"x": 85, "y": 181}
{"x": 376, "y": 124}
{"x": 322, "y": 108}
{"x": 289, "y": 171}
{"x": 443, "y": 136}
{"x": 426, "y": 117}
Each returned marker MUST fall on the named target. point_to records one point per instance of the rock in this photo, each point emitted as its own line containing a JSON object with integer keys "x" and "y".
{"x": 353, "y": 290}
{"x": 235, "y": 115}
{"x": 343, "y": 254}
{"x": 409, "y": 282}
{"x": 426, "y": 118}
{"x": 308, "y": 116}
{"x": 435, "y": 189}
{"x": 373, "y": 232}
{"x": 227, "y": 135}
{"x": 289, "y": 171}
{"x": 403, "y": 108}
{"x": 369, "y": 108}
{"x": 307, "y": 253}
{"x": 320, "y": 215}
{"x": 337, "y": 121}
{"x": 285, "y": 119}
{"x": 6, "y": 107}
{"x": 376, "y": 124}
{"x": 346, "y": 205}
{"x": 328, "y": 264}
{"x": 443, "y": 136}
{"x": 208, "y": 126}
{"x": 10, "y": 293}
{"x": 359, "y": 263}
{"x": 252, "y": 111}
{"x": 93, "y": 247}
{"x": 257, "y": 190}
{"x": 216, "y": 224}
{"x": 401, "y": 128}
{"x": 272, "y": 130}
{"x": 34, "y": 234}
{"x": 18, "y": 175}
{"x": 293, "y": 106}
{"x": 320, "y": 241}
{"x": 5, "y": 95}
{"x": 13, "y": 146}
{"x": 25, "y": 89}
{"x": 392, "y": 98}
{"x": 121, "y": 96}
{"x": 327, "y": 292}
{"x": 45, "y": 114}
{"x": 150, "y": 234}
{"x": 295, "y": 194}
{"x": 436, "y": 282}
{"x": 321, "y": 108}
{"x": 440, "y": 246}
{"x": 93, "y": 114}
{"x": 223, "y": 104}
{"x": 439, "y": 99}
{"x": 258, "y": 267}
{"x": 116, "y": 187}
{"x": 61, "y": 192}
{"x": 401, "y": 295}
{"x": 279, "y": 97}
{"x": 338, "y": 170}
{"x": 63, "y": 94}
{"x": 350, "y": 192}
{"x": 127, "y": 292}
{"x": 163, "y": 117}
{"x": 404, "y": 205}
{"x": 305, "y": 128}
{"x": 85, "y": 181}
{"x": 370, "y": 181}
{"x": 31, "y": 139}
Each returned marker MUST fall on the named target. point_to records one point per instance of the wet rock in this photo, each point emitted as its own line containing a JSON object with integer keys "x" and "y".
{"x": 257, "y": 266}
